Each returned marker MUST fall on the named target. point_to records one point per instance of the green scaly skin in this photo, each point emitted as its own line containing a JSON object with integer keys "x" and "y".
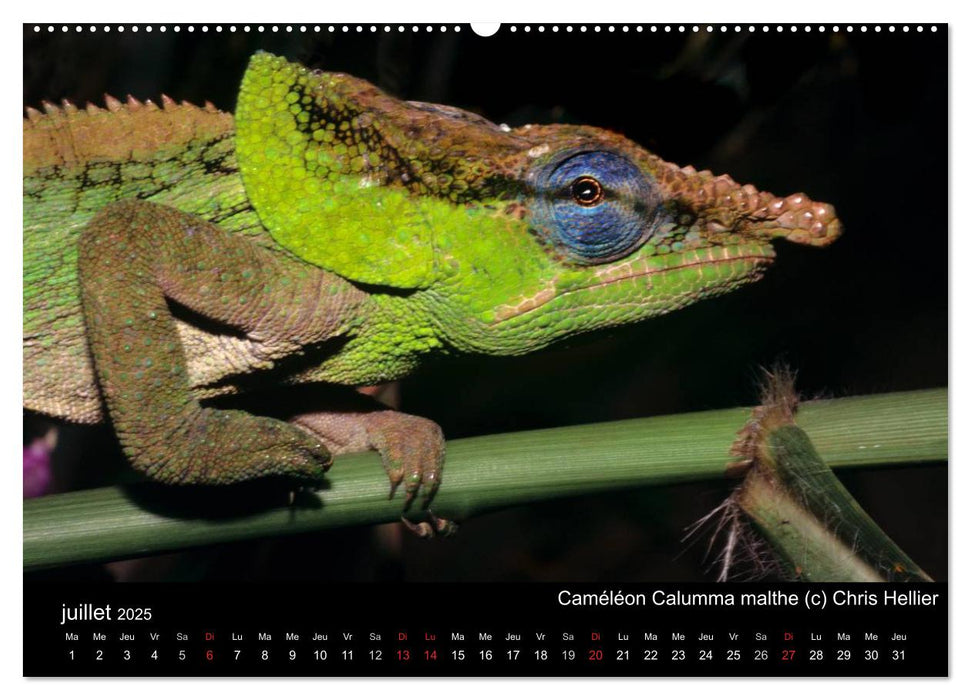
{"x": 330, "y": 233}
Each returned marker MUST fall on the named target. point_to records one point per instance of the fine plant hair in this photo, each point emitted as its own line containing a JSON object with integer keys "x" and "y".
{"x": 735, "y": 548}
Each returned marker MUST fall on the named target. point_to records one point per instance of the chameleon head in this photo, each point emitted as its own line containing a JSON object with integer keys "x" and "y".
{"x": 629, "y": 236}
{"x": 493, "y": 239}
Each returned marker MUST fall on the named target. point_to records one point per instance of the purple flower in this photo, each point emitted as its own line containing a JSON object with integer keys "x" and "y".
{"x": 37, "y": 468}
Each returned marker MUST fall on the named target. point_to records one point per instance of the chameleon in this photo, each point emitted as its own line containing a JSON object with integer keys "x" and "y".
{"x": 332, "y": 235}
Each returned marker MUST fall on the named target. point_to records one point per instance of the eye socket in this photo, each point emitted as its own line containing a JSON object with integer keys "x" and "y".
{"x": 587, "y": 191}
{"x": 593, "y": 206}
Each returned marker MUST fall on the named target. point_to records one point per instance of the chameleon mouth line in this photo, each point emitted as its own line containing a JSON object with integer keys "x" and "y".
{"x": 764, "y": 256}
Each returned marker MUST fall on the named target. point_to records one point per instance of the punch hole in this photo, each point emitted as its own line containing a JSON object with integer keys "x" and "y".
{"x": 485, "y": 29}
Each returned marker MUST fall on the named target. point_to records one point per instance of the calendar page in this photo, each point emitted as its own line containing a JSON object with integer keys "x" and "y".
{"x": 358, "y": 350}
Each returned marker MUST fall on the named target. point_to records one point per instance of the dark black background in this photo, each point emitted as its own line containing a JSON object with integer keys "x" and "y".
{"x": 855, "y": 119}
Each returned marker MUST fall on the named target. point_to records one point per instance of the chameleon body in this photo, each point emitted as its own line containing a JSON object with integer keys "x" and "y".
{"x": 329, "y": 233}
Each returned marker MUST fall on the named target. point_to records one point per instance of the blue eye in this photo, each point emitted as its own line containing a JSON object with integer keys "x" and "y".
{"x": 595, "y": 206}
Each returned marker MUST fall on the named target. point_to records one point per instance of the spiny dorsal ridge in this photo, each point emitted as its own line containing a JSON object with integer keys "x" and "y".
{"x": 69, "y": 110}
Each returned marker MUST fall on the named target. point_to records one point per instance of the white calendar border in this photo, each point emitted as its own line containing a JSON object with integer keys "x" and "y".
{"x": 602, "y": 11}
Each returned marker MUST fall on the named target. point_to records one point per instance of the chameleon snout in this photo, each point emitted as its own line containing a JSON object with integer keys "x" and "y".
{"x": 795, "y": 218}
{"x": 803, "y": 221}
{"x": 726, "y": 211}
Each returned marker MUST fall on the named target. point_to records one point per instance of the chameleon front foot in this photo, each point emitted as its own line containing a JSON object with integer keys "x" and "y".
{"x": 412, "y": 450}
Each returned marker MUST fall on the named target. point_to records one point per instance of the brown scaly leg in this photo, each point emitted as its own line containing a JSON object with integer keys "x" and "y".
{"x": 132, "y": 257}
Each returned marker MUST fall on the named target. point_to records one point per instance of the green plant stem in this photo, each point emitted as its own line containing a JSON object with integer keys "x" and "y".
{"x": 816, "y": 527}
{"x": 482, "y": 474}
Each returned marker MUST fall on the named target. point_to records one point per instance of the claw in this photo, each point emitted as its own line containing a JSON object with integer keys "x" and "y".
{"x": 430, "y": 481}
{"x": 434, "y": 525}
{"x": 443, "y": 526}
{"x": 412, "y": 486}
{"x": 422, "y": 529}
{"x": 395, "y": 476}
